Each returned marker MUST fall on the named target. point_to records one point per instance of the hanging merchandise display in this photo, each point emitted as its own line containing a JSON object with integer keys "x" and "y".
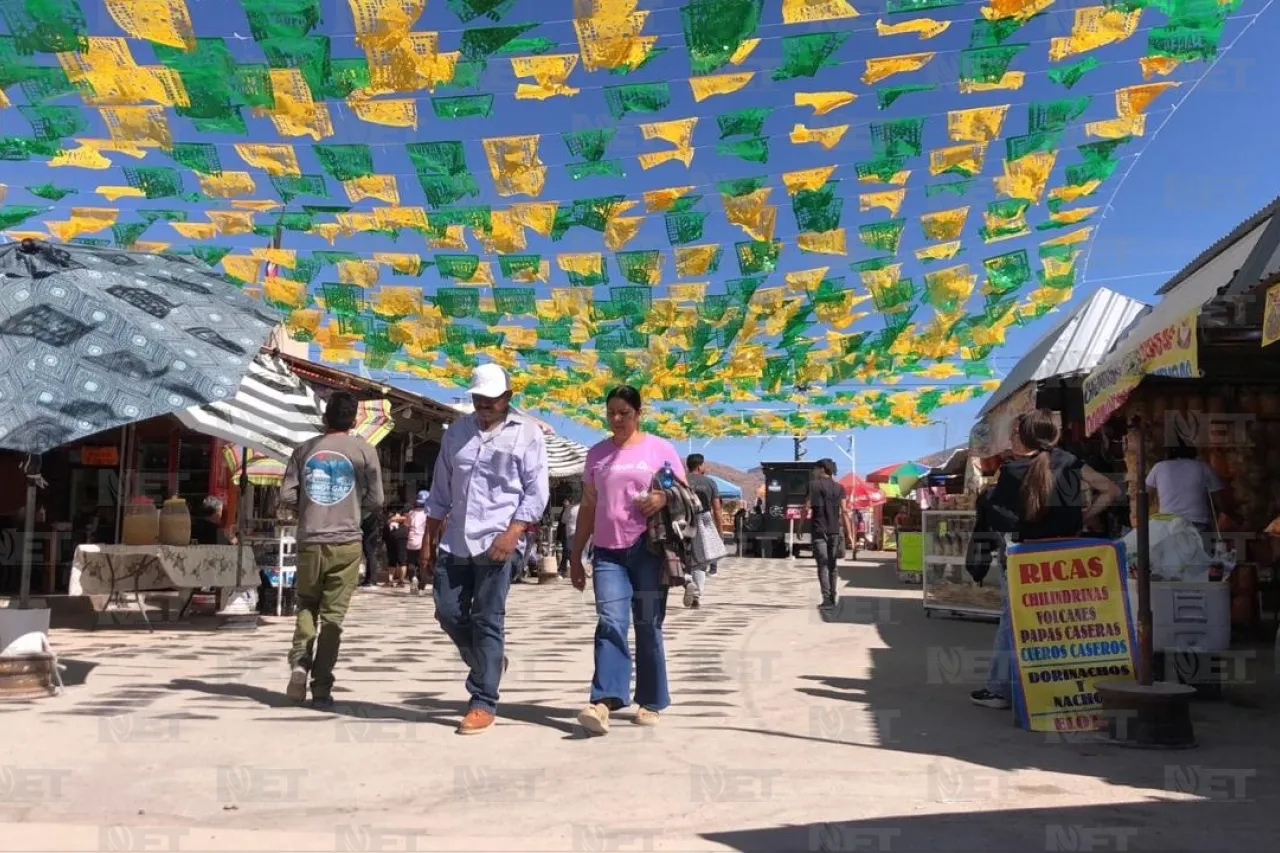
{"x": 788, "y": 218}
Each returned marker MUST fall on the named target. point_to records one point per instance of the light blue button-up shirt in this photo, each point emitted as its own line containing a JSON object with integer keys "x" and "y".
{"x": 486, "y": 480}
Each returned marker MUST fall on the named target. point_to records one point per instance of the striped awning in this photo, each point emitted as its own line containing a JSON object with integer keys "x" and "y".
{"x": 273, "y": 411}
{"x": 565, "y": 458}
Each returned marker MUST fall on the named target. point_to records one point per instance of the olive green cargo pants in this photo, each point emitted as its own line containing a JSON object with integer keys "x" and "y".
{"x": 326, "y": 579}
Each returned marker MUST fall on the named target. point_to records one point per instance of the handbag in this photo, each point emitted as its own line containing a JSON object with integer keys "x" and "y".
{"x": 708, "y": 544}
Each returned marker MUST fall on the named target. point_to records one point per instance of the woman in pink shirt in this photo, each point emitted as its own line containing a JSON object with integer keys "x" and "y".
{"x": 616, "y": 503}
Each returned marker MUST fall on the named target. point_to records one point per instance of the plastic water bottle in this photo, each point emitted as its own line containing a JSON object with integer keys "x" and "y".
{"x": 666, "y": 477}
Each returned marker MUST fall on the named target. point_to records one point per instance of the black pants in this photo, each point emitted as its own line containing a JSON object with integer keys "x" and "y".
{"x": 371, "y": 529}
{"x": 826, "y": 551}
{"x": 563, "y": 567}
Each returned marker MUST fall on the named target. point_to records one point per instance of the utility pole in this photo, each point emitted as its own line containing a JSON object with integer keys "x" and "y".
{"x": 799, "y": 447}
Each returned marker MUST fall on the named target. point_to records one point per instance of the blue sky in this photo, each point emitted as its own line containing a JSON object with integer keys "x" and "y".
{"x": 1202, "y": 174}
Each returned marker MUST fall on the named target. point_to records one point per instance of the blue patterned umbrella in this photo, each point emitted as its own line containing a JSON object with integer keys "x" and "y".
{"x": 92, "y": 339}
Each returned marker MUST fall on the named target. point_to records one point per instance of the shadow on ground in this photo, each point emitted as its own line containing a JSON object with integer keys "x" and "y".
{"x": 917, "y": 699}
{"x": 1167, "y": 827}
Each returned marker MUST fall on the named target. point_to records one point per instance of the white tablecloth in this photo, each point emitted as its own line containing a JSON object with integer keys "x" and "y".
{"x": 103, "y": 569}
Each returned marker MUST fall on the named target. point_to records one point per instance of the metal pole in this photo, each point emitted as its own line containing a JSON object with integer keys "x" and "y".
{"x": 1145, "y": 652}
{"x": 240, "y": 517}
{"x": 32, "y": 470}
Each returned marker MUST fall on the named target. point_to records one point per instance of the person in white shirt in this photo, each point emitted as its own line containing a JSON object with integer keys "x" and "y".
{"x": 419, "y": 569}
{"x": 1186, "y": 487}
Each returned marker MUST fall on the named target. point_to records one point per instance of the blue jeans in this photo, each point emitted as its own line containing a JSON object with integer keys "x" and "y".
{"x": 626, "y": 584}
{"x": 471, "y": 605}
{"x": 1000, "y": 676}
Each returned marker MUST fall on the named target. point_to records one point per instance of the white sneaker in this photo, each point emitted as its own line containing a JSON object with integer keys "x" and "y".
{"x": 595, "y": 719}
{"x": 690, "y": 595}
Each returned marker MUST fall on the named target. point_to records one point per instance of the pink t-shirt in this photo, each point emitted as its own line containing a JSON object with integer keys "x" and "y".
{"x": 417, "y": 528}
{"x": 619, "y": 474}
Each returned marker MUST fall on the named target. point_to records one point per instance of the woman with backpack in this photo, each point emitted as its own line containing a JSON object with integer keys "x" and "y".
{"x": 1043, "y": 492}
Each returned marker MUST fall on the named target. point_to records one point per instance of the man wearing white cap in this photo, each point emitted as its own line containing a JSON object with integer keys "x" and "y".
{"x": 490, "y": 484}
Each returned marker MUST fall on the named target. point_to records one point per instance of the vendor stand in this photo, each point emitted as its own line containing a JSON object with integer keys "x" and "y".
{"x": 948, "y": 588}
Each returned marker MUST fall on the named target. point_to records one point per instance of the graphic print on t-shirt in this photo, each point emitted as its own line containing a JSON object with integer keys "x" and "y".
{"x": 328, "y": 477}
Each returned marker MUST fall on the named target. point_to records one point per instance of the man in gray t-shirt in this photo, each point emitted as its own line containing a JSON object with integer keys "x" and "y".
{"x": 332, "y": 482}
{"x": 709, "y": 496}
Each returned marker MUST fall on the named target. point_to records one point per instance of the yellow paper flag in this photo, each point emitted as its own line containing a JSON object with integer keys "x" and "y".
{"x": 823, "y": 242}
{"x": 1158, "y": 66}
{"x": 890, "y": 200}
{"x": 231, "y": 222}
{"x": 1117, "y": 128}
{"x": 275, "y": 160}
{"x": 515, "y": 165}
{"x": 610, "y": 37}
{"x": 944, "y": 224}
{"x": 1012, "y": 80}
{"x": 720, "y": 84}
{"x": 807, "y": 179}
{"x": 537, "y": 215}
{"x": 1020, "y": 10}
{"x": 1026, "y": 177}
{"x": 657, "y": 201}
{"x": 284, "y": 293}
{"x": 360, "y": 273}
{"x": 981, "y": 124}
{"x": 397, "y": 112}
{"x": 696, "y": 260}
{"x": 827, "y": 137}
{"x": 287, "y": 258}
{"x": 549, "y": 72}
{"x": 243, "y": 267}
{"x": 294, "y": 112}
{"x": 967, "y": 159}
{"x": 1072, "y": 193}
{"x": 195, "y": 230}
{"x": 752, "y": 213}
{"x": 744, "y": 51}
{"x": 926, "y": 28}
{"x": 887, "y": 66}
{"x": 1134, "y": 100}
{"x": 83, "y": 220}
{"x": 165, "y": 22}
{"x": 380, "y": 187}
{"x": 621, "y": 230}
{"x": 1094, "y": 27}
{"x": 808, "y": 11}
{"x": 824, "y": 102}
{"x": 116, "y": 193}
{"x": 939, "y": 252}
{"x": 227, "y": 185}
{"x": 678, "y": 132}
{"x": 138, "y": 126}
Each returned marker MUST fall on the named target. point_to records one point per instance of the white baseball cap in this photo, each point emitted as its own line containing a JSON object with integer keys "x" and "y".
{"x": 489, "y": 380}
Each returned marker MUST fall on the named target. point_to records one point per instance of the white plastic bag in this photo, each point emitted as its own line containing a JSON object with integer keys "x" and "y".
{"x": 1177, "y": 550}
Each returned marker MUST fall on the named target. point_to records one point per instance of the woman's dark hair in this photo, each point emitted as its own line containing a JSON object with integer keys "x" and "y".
{"x": 1037, "y": 432}
{"x": 1182, "y": 451}
{"x": 340, "y": 414}
{"x": 626, "y": 394}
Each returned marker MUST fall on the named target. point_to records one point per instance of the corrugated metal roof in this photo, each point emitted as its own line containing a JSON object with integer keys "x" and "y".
{"x": 1256, "y": 221}
{"x": 1076, "y": 345}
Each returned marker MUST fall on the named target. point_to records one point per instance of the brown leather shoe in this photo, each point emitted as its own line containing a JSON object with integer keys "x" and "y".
{"x": 476, "y": 721}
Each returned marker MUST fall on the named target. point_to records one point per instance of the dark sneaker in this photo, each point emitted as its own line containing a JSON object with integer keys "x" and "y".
{"x": 297, "y": 689}
{"x": 322, "y": 703}
{"x": 476, "y": 721}
{"x": 506, "y": 663}
{"x": 987, "y": 699}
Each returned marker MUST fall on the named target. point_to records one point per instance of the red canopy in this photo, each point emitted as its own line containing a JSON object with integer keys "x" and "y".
{"x": 863, "y": 495}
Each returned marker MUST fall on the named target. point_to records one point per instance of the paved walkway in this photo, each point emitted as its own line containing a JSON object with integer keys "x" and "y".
{"x": 788, "y": 733}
